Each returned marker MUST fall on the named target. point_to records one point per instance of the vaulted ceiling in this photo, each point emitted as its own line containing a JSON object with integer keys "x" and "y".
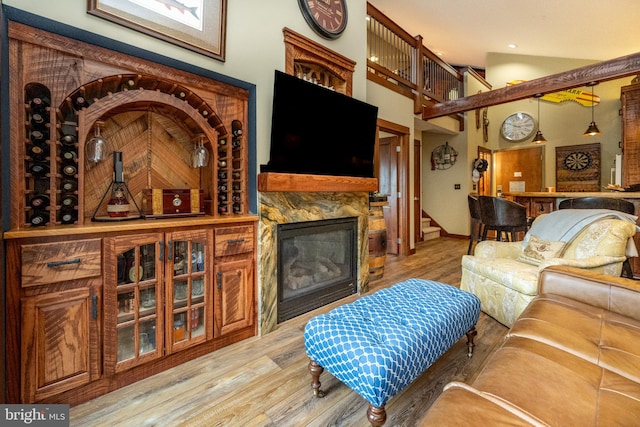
{"x": 464, "y": 31}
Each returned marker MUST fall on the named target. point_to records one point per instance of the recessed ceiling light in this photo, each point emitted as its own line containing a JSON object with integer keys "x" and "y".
{"x": 513, "y": 46}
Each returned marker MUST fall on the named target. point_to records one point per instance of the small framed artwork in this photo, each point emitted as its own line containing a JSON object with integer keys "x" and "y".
{"x": 198, "y": 25}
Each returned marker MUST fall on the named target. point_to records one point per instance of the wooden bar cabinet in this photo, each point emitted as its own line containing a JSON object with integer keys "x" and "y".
{"x": 99, "y": 296}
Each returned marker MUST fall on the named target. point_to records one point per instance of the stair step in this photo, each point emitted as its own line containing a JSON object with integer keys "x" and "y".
{"x": 426, "y": 222}
{"x": 430, "y": 233}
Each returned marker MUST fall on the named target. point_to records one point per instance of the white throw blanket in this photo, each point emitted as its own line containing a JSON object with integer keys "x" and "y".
{"x": 564, "y": 224}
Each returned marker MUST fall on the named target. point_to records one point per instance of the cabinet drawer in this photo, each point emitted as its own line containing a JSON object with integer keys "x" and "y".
{"x": 233, "y": 240}
{"x": 57, "y": 262}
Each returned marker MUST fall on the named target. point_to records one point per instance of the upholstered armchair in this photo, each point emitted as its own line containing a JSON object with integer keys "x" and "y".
{"x": 504, "y": 275}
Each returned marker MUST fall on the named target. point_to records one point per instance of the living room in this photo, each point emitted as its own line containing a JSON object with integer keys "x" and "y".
{"x": 254, "y": 35}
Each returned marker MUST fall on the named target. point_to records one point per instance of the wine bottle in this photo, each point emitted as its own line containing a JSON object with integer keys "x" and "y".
{"x": 69, "y": 200}
{"x": 68, "y": 139}
{"x": 39, "y": 169}
{"x": 70, "y": 170}
{"x": 222, "y": 175}
{"x": 236, "y": 128}
{"x": 223, "y": 209}
{"x": 222, "y": 141}
{"x": 39, "y": 121}
{"x": 222, "y": 163}
{"x": 222, "y": 197}
{"x": 222, "y": 187}
{"x": 69, "y": 155}
{"x": 80, "y": 102}
{"x": 236, "y": 208}
{"x": 38, "y": 152}
{"x": 38, "y": 104}
{"x": 68, "y": 216}
{"x": 39, "y": 218}
{"x": 38, "y": 136}
{"x": 69, "y": 185}
{"x": 39, "y": 201}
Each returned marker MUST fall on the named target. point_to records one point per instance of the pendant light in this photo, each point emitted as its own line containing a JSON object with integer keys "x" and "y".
{"x": 538, "y": 138}
{"x": 592, "y": 130}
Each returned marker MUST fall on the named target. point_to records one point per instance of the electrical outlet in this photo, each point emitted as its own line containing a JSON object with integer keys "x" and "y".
{"x": 456, "y": 186}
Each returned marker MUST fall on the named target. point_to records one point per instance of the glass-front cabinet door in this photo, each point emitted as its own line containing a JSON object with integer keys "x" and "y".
{"x": 188, "y": 289}
{"x": 134, "y": 316}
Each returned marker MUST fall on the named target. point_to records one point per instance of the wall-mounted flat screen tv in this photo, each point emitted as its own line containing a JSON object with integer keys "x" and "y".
{"x": 315, "y": 130}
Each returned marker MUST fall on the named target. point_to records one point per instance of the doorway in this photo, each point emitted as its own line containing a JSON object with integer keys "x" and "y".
{"x": 519, "y": 170}
{"x": 392, "y": 166}
{"x": 483, "y": 186}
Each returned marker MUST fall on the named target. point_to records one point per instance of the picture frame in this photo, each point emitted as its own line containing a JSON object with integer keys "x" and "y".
{"x": 197, "y": 25}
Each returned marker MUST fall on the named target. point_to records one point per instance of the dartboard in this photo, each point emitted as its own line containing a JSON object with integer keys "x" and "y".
{"x": 577, "y": 161}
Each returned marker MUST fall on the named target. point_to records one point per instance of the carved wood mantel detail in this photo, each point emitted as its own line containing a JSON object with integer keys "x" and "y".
{"x": 304, "y": 56}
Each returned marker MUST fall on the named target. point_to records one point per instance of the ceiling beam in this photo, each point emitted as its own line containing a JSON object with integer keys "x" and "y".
{"x": 584, "y": 76}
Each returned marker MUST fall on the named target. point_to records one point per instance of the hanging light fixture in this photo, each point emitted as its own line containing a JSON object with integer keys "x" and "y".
{"x": 592, "y": 130}
{"x": 538, "y": 138}
{"x": 96, "y": 147}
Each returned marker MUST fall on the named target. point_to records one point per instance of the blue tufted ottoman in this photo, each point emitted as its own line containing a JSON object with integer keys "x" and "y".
{"x": 380, "y": 343}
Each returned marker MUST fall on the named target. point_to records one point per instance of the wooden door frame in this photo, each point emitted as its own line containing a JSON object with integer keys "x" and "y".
{"x": 417, "y": 191}
{"x": 485, "y": 179}
{"x": 404, "y": 218}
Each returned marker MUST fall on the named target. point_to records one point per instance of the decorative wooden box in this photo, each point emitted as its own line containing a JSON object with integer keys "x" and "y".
{"x": 172, "y": 202}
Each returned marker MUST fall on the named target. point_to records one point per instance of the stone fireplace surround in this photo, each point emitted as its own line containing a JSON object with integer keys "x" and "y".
{"x": 276, "y": 207}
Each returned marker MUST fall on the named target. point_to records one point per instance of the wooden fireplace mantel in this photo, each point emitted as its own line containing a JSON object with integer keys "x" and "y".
{"x": 272, "y": 181}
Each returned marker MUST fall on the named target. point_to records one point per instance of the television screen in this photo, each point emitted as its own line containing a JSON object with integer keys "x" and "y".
{"x": 315, "y": 130}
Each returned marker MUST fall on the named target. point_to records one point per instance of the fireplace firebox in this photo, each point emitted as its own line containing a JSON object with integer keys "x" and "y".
{"x": 317, "y": 264}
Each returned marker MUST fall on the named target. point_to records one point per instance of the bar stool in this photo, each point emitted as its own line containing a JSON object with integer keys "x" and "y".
{"x": 477, "y": 228}
{"x": 503, "y": 216}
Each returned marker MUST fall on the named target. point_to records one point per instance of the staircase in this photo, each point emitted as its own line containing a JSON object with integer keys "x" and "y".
{"x": 429, "y": 232}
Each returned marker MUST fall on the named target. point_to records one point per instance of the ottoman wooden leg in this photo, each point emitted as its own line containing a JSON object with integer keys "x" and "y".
{"x": 471, "y": 334}
{"x": 376, "y": 415}
{"x": 315, "y": 371}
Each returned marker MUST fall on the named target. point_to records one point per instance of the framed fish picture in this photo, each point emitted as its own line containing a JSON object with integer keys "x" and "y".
{"x": 198, "y": 25}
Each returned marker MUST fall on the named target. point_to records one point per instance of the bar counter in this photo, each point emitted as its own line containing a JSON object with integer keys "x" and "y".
{"x": 567, "y": 195}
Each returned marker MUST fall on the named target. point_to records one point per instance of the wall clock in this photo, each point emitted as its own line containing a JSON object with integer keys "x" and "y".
{"x": 518, "y": 127}
{"x": 327, "y": 17}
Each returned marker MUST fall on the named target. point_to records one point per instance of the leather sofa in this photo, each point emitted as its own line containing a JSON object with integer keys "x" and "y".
{"x": 504, "y": 275}
{"x": 572, "y": 358}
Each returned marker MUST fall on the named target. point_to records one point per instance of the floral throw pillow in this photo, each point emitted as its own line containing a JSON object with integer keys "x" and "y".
{"x": 538, "y": 250}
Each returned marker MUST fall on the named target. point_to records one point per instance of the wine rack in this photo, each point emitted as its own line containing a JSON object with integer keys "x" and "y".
{"x": 55, "y": 137}
{"x": 231, "y": 172}
{"x": 51, "y": 159}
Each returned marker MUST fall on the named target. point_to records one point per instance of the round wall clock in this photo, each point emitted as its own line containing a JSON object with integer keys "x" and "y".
{"x": 518, "y": 127}
{"x": 327, "y": 17}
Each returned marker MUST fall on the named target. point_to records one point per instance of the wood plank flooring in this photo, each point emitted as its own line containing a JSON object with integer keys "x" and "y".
{"x": 263, "y": 381}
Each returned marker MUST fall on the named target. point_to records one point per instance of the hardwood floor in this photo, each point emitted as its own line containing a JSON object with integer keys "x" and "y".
{"x": 263, "y": 381}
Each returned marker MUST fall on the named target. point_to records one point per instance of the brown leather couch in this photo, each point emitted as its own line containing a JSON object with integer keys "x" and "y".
{"x": 572, "y": 358}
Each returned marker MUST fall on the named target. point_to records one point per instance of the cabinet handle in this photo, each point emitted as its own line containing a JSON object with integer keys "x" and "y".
{"x": 52, "y": 264}
{"x": 232, "y": 241}
{"x": 94, "y": 307}
{"x": 161, "y": 243}
{"x": 219, "y": 275}
{"x": 170, "y": 257}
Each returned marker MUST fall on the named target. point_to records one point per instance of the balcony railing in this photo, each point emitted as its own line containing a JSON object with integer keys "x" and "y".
{"x": 400, "y": 62}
